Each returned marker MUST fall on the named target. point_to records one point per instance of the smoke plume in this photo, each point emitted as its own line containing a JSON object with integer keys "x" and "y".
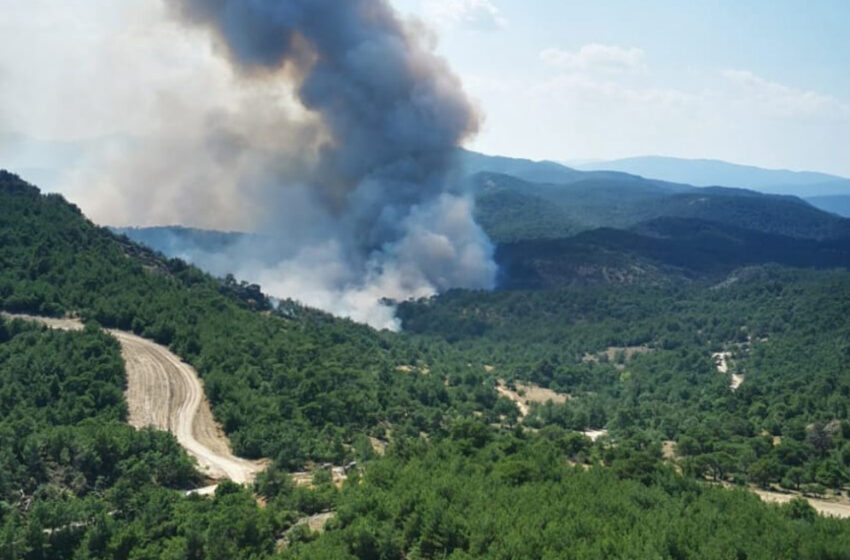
{"x": 353, "y": 181}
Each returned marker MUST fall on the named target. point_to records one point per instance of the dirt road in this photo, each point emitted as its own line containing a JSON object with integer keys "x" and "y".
{"x": 721, "y": 360}
{"x": 823, "y": 507}
{"x": 166, "y": 393}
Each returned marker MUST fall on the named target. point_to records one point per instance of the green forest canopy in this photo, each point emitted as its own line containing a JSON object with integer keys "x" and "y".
{"x": 463, "y": 477}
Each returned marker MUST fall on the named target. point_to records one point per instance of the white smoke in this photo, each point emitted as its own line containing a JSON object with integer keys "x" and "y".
{"x": 441, "y": 248}
{"x": 328, "y": 127}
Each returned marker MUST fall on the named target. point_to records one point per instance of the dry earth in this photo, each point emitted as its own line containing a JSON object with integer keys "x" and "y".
{"x": 721, "y": 360}
{"x": 379, "y": 446}
{"x": 824, "y": 507}
{"x": 305, "y": 478}
{"x": 423, "y": 370}
{"x": 317, "y": 522}
{"x": 534, "y": 394}
{"x": 166, "y": 393}
{"x": 53, "y": 323}
{"x": 524, "y": 395}
{"x": 595, "y": 434}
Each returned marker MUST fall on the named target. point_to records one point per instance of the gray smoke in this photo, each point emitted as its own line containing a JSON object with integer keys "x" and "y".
{"x": 367, "y": 207}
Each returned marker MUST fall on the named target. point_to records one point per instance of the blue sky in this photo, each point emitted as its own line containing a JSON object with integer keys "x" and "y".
{"x": 758, "y": 82}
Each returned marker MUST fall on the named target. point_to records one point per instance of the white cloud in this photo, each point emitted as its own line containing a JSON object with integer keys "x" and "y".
{"x": 588, "y": 103}
{"x": 475, "y": 14}
{"x": 596, "y": 56}
{"x": 742, "y": 92}
{"x": 585, "y": 89}
{"x": 778, "y": 100}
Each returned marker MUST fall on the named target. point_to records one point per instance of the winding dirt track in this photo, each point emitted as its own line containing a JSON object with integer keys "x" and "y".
{"x": 824, "y": 507}
{"x": 166, "y": 393}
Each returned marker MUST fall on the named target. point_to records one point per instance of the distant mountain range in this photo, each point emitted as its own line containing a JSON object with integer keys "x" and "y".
{"x": 554, "y": 225}
{"x": 50, "y": 163}
{"x": 707, "y": 173}
{"x": 511, "y": 209}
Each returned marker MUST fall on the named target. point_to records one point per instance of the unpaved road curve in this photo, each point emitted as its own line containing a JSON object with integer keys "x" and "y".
{"x": 824, "y": 507}
{"x": 166, "y": 393}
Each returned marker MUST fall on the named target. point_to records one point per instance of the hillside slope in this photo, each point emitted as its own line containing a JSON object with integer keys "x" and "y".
{"x": 665, "y": 250}
{"x": 508, "y": 208}
{"x": 836, "y": 204}
{"x": 295, "y": 385}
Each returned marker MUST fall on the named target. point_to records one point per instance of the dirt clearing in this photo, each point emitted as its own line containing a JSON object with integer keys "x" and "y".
{"x": 612, "y": 353}
{"x": 824, "y": 507}
{"x": 595, "y": 434}
{"x": 525, "y": 394}
{"x": 53, "y": 323}
{"x": 721, "y": 361}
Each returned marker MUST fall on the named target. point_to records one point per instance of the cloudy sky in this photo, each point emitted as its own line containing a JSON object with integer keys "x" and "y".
{"x": 762, "y": 82}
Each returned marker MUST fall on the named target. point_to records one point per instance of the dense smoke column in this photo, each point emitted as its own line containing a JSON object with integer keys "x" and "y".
{"x": 394, "y": 112}
{"x": 388, "y": 220}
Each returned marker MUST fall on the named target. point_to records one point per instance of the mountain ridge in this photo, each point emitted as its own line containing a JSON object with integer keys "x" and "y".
{"x": 713, "y": 172}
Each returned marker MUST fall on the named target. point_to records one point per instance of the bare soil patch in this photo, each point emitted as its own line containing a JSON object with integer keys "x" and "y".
{"x": 595, "y": 434}
{"x": 64, "y": 324}
{"x": 305, "y": 478}
{"x": 722, "y": 362}
{"x": 405, "y": 368}
{"x": 379, "y": 446}
{"x": 526, "y": 394}
{"x": 838, "y": 507}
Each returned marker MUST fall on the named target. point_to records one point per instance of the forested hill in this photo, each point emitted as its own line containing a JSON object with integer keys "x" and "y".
{"x": 664, "y": 250}
{"x": 512, "y": 209}
{"x": 748, "y": 377}
{"x": 466, "y": 473}
{"x": 294, "y": 386}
